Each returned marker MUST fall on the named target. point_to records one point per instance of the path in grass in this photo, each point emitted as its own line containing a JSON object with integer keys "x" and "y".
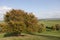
{"x": 49, "y": 37}
{"x": 31, "y": 37}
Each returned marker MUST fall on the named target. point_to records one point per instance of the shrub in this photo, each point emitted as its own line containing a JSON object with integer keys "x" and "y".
{"x": 48, "y": 28}
{"x": 42, "y": 28}
{"x": 56, "y": 27}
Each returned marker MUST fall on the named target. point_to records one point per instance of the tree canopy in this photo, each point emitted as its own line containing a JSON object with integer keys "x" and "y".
{"x": 19, "y": 20}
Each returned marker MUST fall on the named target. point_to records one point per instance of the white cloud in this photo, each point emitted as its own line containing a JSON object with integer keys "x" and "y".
{"x": 3, "y": 10}
{"x": 49, "y": 14}
{"x": 53, "y": 13}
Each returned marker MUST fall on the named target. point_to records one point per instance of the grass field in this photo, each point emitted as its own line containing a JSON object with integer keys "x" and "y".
{"x": 51, "y": 33}
{"x": 47, "y": 35}
{"x": 32, "y": 37}
{"x": 50, "y": 23}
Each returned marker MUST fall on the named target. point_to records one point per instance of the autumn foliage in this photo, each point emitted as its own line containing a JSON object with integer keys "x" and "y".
{"x": 20, "y": 21}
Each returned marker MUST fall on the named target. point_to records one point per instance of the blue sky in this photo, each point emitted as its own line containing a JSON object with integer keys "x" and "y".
{"x": 40, "y": 8}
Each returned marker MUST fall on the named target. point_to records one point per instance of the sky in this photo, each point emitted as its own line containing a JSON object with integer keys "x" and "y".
{"x": 40, "y": 8}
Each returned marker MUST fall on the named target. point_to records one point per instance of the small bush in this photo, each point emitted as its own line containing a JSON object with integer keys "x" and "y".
{"x": 42, "y": 28}
{"x": 53, "y": 28}
{"x": 57, "y": 27}
{"x": 48, "y": 28}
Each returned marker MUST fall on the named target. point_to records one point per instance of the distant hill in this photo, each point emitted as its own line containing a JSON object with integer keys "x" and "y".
{"x": 50, "y": 19}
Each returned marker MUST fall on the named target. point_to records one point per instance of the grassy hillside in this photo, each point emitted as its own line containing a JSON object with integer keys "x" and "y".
{"x": 30, "y": 37}
{"x": 49, "y": 22}
{"x": 47, "y": 35}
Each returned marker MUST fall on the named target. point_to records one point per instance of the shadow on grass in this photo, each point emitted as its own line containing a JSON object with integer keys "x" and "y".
{"x": 10, "y": 35}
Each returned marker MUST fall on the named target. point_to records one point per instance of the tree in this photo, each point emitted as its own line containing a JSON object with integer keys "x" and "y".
{"x": 18, "y": 21}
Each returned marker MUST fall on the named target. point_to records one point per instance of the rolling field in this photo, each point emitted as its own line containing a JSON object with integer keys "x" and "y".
{"x": 49, "y": 23}
{"x": 50, "y": 35}
{"x": 30, "y": 37}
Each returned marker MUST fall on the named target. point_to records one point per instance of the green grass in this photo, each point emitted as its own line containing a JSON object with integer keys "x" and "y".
{"x": 2, "y": 35}
{"x": 51, "y": 33}
{"x": 48, "y": 35}
{"x": 50, "y": 23}
{"x": 39, "y": 36}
